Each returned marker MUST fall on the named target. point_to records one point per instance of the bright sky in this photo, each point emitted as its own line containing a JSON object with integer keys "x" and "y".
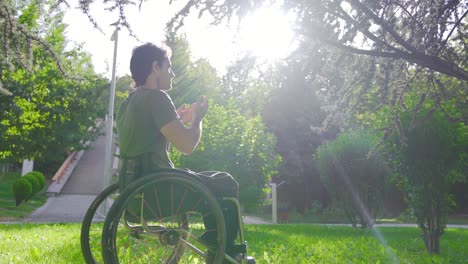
{"x": 266, "y": 33}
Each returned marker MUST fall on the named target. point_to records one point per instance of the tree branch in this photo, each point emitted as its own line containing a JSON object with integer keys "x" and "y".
{"x": 451, "y": 32}
{"x": 385, "y": 26}
{"x": 365, "y": 31}
{"x": 431, "y": 62}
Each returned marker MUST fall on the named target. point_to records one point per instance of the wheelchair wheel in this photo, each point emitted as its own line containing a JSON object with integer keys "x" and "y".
{"x": 161, "y": 219}
{"x": 91, "y": 233}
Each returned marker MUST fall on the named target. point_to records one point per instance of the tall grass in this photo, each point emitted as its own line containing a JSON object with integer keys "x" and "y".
{"x": 282, "y": 244}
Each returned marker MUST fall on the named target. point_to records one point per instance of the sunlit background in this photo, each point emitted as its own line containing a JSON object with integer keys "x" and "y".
{"x": 264, "y": 33}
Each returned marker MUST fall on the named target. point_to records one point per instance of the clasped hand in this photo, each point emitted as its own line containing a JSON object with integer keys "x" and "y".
{"x": 195, "y": 112}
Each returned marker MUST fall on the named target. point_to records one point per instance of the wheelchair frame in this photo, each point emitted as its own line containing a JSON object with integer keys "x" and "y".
{"x": 145, "y": 229}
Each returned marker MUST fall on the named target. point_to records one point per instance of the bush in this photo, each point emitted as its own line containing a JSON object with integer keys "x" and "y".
{"x": 22, "y": 189}
{"x": 40, "y": 178}
{"x": 35, "y": 184}
{"x": 355, "y": 181}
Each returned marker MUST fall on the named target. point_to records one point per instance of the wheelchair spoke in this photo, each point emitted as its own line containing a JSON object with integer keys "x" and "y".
{"x": 181, "y": 201}
{"x": 157, "y": 200}
{"x": 172, "y": 202}
{"x": 150, "y": 208}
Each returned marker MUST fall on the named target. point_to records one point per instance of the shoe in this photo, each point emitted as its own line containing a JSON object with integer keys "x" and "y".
{"x": 251, "y": 260}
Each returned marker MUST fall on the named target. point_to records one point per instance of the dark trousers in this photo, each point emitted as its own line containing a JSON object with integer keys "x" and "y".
{"x": 222, "y": 184}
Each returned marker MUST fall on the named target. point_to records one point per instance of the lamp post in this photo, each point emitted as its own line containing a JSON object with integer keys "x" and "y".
{"x": 110, "y": 113}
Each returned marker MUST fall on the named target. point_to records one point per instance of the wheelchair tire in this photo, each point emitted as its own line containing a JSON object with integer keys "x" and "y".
{"x": 173, "y": 232}
{"x": 90, "y": 235}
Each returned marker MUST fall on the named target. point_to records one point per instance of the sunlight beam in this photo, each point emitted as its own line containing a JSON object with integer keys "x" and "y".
{"x": 267, "y": 33}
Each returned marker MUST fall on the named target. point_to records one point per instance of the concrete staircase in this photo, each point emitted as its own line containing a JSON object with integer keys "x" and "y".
{"x": 70, "y": 198}
{"x": 88, "y": 176}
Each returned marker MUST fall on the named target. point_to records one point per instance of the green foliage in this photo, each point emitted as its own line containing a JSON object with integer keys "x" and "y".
{"x": 9, "y": 211}
{"x": 236, "y": 144}
{"x": 192, "y": 78}
{"x": 249, "y": 85}
{"x": 48, "y": 112}
{"x": 355, "y": 181}
{"x": 22, "y": 190}
{"x": 35, "y": 184}
{"x": 123, "y": 86}
{"x": 429, "y": 153}
{"x": 27, "y": 186}
{"x": 39, "y": 177}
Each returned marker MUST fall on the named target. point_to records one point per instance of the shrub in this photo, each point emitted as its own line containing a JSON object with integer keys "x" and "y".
{"x": 40, "y": 178}
{"x": 35, "y": 184}
{"x": 22, "y": 189}
{"x": 355, "y": 181}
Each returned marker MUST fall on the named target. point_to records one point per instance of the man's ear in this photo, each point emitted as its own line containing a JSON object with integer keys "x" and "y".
{"x": 155, "y": 66}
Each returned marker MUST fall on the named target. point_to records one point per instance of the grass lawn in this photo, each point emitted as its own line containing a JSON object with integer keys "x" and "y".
{"x": 339, "y": 218}
{"x": 282, "y": 244}
{"x": 8, "y": 209}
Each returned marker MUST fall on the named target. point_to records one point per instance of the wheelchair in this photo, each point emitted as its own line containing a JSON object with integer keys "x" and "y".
{"x": 159, "y": 218}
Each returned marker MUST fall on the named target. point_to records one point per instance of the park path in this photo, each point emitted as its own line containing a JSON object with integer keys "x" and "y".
{"x": 82, "y": 186}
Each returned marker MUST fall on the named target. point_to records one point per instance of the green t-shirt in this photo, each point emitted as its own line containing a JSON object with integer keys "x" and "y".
{"x": 141, "y": 116}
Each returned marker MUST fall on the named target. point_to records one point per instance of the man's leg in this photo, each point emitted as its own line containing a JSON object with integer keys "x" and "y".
{"x": 223, "y": 185}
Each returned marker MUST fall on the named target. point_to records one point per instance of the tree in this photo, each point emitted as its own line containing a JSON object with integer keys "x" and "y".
{"x": 428, "y": 158}
{"x": 355, "y": 181}
{"x": 236, "y": 144}
{"x": 424, "y": 33}
{"x": 46, "y": 113}
{"x": 430, "y": 34}
{"x": 291, "y": 113}
{"x": 249, "y": 84}
{"x": 21, "y": 31}
{"x": 123, "y": 86}
{"x": 192, "y": 78}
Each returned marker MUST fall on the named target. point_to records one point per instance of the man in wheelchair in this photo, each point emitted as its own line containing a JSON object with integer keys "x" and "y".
{"x": 148, "y": 123}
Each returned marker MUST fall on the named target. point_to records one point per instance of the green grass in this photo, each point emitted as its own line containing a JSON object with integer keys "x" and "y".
{"x": 8, "y": 209}
{"x": 295, "y": 244}
{"x": 340, "y": 244}
{"x": 335, "y": 216}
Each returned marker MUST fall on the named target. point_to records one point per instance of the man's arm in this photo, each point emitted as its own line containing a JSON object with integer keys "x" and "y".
{"x": 185, "y": 139}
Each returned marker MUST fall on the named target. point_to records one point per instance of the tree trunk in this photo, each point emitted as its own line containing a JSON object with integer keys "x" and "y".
{"x": 433, "y": 230}
{"x": 432, "y": 241}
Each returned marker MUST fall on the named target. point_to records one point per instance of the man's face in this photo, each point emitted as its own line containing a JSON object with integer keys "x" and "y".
{"x": 165, "y": 76}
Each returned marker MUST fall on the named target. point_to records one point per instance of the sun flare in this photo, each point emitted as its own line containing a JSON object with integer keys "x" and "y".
{"x": 267, "y": 33}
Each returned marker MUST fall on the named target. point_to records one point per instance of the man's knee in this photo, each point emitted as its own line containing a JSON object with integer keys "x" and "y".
{"x": 222, "y": 184}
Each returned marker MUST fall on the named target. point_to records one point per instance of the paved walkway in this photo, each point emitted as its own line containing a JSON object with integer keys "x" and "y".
{"x": 85, "y": 182}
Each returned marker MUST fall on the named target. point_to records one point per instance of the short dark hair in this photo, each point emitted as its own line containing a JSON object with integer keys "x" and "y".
{"x": 142, "y": 60}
